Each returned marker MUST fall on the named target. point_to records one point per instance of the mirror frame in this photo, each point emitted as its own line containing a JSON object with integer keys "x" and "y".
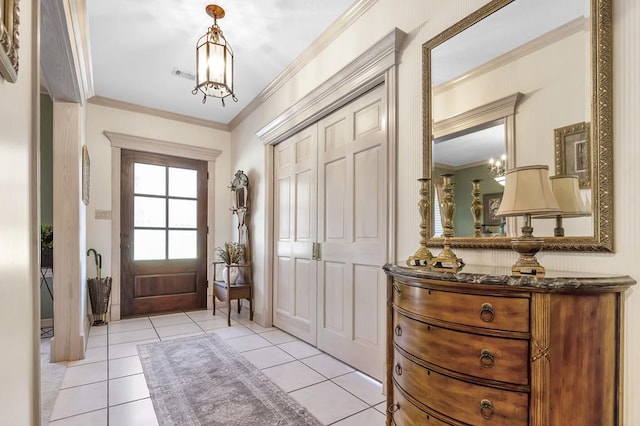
{"x": 601, "y": 133}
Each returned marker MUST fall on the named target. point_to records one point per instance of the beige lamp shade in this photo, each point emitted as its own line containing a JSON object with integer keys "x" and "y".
{"x": 527, "y": 190}
{"x": 567, "y": 192}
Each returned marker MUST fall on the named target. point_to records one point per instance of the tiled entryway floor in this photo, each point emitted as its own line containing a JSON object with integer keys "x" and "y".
{"x": 108, "y": 388}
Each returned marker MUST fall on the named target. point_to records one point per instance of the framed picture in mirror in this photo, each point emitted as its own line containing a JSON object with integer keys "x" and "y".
{"x": 573, "y": 154}
{"x": 490, "y": 206}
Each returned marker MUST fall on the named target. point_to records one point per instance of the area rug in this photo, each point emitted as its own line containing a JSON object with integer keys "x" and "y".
{"x": 203, "y": 381}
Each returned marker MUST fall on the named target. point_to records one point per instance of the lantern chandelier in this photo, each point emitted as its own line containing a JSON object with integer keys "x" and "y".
{"x": 214, "y": 61}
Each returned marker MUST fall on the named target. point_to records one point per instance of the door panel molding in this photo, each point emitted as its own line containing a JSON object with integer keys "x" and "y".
{"x": 121, "y": 141}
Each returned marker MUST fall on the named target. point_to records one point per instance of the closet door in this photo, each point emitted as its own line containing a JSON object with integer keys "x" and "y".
{"x": 352, "y": 230}
{"x": 295, "y": 223}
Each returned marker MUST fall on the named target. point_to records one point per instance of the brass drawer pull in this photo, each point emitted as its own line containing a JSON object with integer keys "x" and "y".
{"x": 486, "y": 409}
{"x": 487, "y": 359}
{"x": 398, "y": 330}
{"x": 487, "y": 314}
{"x": 397, "y": 289}
{"x": 393, "y": 408}
{"x": 398, "y": 369}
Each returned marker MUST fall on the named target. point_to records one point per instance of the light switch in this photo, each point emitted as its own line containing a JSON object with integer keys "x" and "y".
{"x": 103, "y": 214}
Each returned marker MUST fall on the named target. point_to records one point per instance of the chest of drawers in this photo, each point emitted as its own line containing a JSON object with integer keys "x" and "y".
{"x": 480, "y": 347}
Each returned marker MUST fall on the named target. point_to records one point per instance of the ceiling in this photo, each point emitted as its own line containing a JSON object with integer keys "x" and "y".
{"x": 136, "y": 46}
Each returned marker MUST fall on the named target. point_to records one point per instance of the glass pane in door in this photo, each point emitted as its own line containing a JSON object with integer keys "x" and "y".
{"x": 149, "y": 244}
{"x": 183, "y": 183}
{"x": 183, "y": 213}
{"x": 183, "y": 244}
{"x": 149, "y": 212}
{"x": 149, "y": 179}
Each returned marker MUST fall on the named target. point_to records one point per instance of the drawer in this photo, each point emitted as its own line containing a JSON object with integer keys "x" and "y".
{"x": 466, "y": 402}
{"x": 498, "y": 313}
{"x": 404, "y": 413}
{"x": 488, "y": 357}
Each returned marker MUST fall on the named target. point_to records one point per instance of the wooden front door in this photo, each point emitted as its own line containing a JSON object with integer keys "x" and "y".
{"x": 163, "y": 241}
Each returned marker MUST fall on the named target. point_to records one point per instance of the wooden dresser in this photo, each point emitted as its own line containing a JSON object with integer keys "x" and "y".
{"x": 480, "y": 347}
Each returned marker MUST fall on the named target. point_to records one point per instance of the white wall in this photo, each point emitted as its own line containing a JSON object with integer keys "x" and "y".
{"x": 19, "y": 234}
{"x": 421, "y": 20}
{"x": 101, "y": 119}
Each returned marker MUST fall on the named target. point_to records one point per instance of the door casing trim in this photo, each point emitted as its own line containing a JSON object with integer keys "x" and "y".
{"x": 375, "y": 66}
{"x": 120, "y": 141}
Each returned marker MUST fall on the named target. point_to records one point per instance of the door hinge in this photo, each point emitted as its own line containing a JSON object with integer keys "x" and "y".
{"x": 316, "y": 251}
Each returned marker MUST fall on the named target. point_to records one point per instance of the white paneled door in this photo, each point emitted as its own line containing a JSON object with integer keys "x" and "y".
{"x": 337, "y": 198}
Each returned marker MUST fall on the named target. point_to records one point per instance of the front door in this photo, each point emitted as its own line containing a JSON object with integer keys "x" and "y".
{"x": 163, "y": 233}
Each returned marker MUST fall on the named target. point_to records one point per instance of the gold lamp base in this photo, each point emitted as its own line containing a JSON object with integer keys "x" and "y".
{"x": 527, "y": 264}
{"x": 422, "y": 257}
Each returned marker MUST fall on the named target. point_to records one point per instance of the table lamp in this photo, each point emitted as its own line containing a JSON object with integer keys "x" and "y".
{"x": 527, "y": 192}
{"x": 567, "y": 193}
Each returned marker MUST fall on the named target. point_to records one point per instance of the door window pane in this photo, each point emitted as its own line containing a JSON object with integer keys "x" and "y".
{"x": 149, "y": 179}
{"x": 149, "y": 212}
{"x": 149, "y": 244}
{"x": 183, "y": 244}
{"x": 183, "y": 213}
{"x": 183, "y": 182}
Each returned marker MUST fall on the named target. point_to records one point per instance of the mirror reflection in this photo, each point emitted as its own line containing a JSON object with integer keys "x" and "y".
{"x": 500, "y": 90}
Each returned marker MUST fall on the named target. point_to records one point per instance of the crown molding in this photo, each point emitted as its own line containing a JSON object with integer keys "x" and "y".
{"x": 113, "y": 103}
{"x": 359, "y": 76}
{"x": 553, "y": 36}
{"x": 326, "y": 38}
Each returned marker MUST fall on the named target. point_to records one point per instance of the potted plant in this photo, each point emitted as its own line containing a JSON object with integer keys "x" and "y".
{"x": 230, "y": 254}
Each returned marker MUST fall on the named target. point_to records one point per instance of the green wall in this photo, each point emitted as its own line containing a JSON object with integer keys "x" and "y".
{"x": 463, "y": 219}
{"x": 46, "y": 188}
{"x": 46, "y": 160}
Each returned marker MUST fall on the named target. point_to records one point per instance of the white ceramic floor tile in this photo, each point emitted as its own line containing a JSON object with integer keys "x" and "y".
{"x": 293, "y": 375}
{"x": 94, "y": 418}
{"x": 368, "y": 417}
{"x": 248, "y": 343}
{"x": 127, "y": 349}
{"x": 382, "y": 407}
{"x": 91, "y": 355}
{"x": 78, "y": 400}
{"x": 173, "y": 330}
{"x": 267, "y": 357}
{"x": 84, "y": 374}
{"x": 137, "y": 413}
{"x": 328, "y": 402}
{"x": 129, "y": 325}
{"x": 362, "y": 386}
{"x": 97, "y": 340}
{"x": 132, "y": 336}
{"x": 200, "y": 315}
{"x": 182, "y": 336}
{"x": 214, "y": 322}
{"x": 127, "y": 389}
{"x": 171, "y": 319}
{"x": 98, "y": 330}
{"x": 233, "y": 331}
{"x": 327, "y": 365}
{"x": 121, "y": 367}
{"x": 257, "y": 328}
{"x": 278, "y": 336}
{"x": 299, "y": 349}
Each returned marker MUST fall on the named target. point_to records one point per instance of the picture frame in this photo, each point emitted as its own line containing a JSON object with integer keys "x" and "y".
{"x": 573, "y": 152}
{"x": 490, "y": 206}
{"x": 9, "y": 39}
{"x": 86, "y": 175}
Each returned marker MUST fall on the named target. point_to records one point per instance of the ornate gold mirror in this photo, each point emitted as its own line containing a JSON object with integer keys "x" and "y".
{"x": 523, "y": 82}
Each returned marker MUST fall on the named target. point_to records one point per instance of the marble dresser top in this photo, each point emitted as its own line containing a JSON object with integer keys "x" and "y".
{"x": 501, "y": 276}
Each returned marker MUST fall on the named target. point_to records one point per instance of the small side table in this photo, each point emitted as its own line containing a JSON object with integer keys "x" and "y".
{"x": 225, "y": 292}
